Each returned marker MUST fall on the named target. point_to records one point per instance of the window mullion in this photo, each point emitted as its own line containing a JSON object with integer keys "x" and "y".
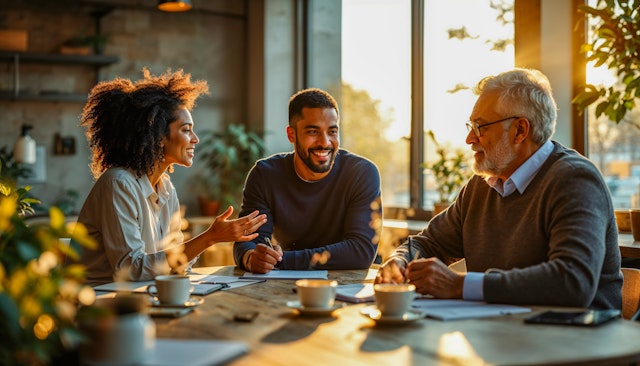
{"x": 416, "y": 149}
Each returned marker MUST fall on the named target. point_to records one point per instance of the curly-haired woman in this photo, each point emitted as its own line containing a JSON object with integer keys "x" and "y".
{"x": 137, "y": 131}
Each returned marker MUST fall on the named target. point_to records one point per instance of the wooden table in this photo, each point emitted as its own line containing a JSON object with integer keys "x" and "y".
{"x": 628, "y": 247}
{"x": 279, "y": 336}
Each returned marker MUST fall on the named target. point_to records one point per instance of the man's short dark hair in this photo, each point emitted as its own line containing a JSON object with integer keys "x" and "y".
{"x": 310, "y": 98}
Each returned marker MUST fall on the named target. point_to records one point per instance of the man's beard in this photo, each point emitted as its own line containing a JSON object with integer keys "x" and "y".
{"x": 495, "y": 163}
{"x": 308, "y": 161}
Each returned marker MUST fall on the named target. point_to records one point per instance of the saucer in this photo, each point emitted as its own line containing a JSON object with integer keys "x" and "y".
{"x": 192, "y": 302}
{"x": 313, "y": 311}
{"x": 373, "y": 313}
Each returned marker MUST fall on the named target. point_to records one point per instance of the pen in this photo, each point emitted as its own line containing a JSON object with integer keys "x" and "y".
{"x": 268, "y": 241}
{"x": 412, "y": 256}
{"x": 404, "y": 273}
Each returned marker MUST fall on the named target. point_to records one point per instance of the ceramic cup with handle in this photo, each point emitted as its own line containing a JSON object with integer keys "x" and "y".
{"x": 316, "y": 293}
{"x": 171, "y": 289}
{"x": 394, "y": 299}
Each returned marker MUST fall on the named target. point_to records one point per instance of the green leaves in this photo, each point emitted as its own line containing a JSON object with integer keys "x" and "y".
{"x": 229, "y": 155}
{"x": 39, "y": 294}
{"x": 616, "y": 44}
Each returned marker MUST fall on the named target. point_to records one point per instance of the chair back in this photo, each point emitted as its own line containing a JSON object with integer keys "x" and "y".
{"x": 630, "y": 292}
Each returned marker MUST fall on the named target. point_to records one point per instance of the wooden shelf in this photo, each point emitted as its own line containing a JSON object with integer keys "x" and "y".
{"x": 16, "y": 58}
{"x": 44, "y": 97}
{"x": 54, "y": 58}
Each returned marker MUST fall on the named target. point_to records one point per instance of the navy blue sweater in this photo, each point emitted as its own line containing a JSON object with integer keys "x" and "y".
{"x": 339, "y": 214}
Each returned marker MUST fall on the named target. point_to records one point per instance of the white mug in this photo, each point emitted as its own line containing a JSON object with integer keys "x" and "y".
{"x": 316, "y": 293}
{"x": 394, "y": 299}
{"x": 171, "y": 289}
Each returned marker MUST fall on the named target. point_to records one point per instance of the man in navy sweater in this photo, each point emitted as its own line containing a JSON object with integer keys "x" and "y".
{"x": 322, "y": 202}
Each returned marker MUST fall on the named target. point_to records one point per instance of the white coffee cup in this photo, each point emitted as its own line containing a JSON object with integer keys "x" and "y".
{"x": 171, "y": 289}
{"x": 316, "y": 293}
{"x": 394, "y": 299}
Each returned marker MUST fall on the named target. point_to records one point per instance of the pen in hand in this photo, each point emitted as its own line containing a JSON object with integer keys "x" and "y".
{"x": 268, "y": 242}
{"x": 412, "y": 256}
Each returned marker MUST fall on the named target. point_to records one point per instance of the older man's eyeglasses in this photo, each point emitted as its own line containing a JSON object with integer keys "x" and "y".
{"x": 475, "y": 127}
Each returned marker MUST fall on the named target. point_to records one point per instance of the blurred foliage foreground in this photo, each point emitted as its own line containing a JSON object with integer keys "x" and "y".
{"x": 39, "y": 294}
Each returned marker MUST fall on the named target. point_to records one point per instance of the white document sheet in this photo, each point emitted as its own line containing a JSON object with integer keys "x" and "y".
{"x": 178, "y": 352}
{"x": 286, "y": 274}
{"x": 461, "y": 309}
{"x": 203, "y": 284}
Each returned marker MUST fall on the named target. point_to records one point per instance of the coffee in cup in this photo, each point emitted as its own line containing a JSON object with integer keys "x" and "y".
{"x": 171, "y": 289}
{"x": 394, "y": 299}
{"x": 316, "y": 293}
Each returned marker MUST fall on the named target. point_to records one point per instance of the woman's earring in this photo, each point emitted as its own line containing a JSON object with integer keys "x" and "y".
{"x": 162, "y": 153}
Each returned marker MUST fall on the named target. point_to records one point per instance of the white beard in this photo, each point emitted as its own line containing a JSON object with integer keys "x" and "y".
{"x": 495, "y": 162}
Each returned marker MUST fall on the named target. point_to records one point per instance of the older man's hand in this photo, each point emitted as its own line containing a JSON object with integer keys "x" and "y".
{"x": 392, "y": 271}
{"x": 432, "y": 277}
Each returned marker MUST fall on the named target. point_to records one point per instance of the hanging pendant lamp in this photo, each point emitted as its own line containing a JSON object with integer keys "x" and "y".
{"x": 174, "y": 5}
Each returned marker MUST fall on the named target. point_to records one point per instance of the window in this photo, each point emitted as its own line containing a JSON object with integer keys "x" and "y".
{"x": 459, "y": 51}
{"x": 376, "y": 69}
{"x": 376, "y": 89}
{"x": 614, "y": 148}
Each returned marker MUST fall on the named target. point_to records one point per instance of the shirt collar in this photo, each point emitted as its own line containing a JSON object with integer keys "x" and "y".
{"x": 159, "y": 198}
{"x": 522, "y": 177}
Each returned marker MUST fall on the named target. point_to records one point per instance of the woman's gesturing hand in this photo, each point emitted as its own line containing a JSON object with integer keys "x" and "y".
{"x": 240, "y": 229}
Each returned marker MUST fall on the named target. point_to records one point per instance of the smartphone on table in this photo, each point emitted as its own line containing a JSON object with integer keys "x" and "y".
{"x": 580, "y": 318}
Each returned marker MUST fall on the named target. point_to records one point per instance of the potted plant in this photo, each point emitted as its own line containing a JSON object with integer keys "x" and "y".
{"x": 84, "y": 45}
{"x": 228, "y": 157}
{"x": 10, "y": 170}
{"x": 450, "y": 170}
{"x": 39, "y": 295}
{"x": 614, "y": 45}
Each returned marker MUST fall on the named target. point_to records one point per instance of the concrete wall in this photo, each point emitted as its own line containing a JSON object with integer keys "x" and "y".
{"x": 279, "y": 61}
{"x": 324, "y": 46}
{"x": 556, "y": 48}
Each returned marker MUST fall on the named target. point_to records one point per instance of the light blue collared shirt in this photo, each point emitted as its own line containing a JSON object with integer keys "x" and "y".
{"x": 520, "y": 179}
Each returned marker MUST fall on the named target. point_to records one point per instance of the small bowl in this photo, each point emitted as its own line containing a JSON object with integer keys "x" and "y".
{"x": 623, "y": 219}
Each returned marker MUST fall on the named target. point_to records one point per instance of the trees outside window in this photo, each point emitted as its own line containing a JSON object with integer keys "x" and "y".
{"x": 464, "y": 40}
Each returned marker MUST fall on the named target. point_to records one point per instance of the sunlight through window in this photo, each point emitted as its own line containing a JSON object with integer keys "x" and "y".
{"x": 614, "y": 148}
{"x": 465, "y": 40}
